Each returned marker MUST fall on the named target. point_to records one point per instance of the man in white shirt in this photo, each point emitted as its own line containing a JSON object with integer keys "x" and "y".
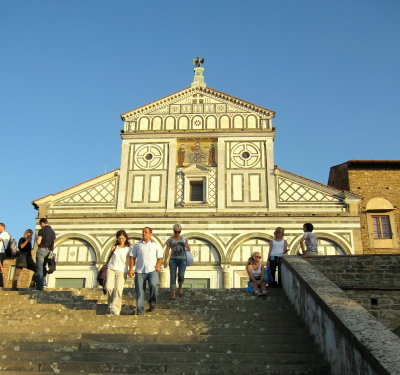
{"x": 4, "y": 238}
{"x": 147, "y": 256}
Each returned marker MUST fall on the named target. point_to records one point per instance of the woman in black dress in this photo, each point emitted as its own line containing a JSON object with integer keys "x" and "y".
{"x": 24, "y": 259}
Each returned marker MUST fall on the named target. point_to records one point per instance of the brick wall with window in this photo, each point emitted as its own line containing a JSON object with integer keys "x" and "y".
{"x": 378, "y": 182}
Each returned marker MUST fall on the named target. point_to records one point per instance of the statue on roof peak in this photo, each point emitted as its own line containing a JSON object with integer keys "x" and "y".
{"x": 197, "y": 62}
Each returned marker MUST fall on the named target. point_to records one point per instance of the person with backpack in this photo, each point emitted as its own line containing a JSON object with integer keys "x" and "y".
{"x": 45, "y": 241}
{"x": 24, "y": 259}
{"x": 4, "y": 239}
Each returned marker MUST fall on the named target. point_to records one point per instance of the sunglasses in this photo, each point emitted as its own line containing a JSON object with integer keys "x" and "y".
{"x": 257, "y": 257}
{"x": 177, "y": 231}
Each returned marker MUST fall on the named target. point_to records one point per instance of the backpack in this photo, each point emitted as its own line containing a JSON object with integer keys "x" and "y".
{"x": 51, "y": 263}
{"x": 11, "y": 250}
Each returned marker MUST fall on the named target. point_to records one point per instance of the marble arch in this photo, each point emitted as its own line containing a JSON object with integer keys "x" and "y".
{"x": 212, "y": 241}
{"x": 242, "y": 239}
{"x": 81, "y": 237}
{"x": 294, "y": 245}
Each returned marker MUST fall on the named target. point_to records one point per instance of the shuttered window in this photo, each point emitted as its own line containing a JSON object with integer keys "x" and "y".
{"x": 381, "y": 227}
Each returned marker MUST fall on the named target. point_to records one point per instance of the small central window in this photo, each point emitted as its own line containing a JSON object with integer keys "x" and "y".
{"x": 245, "y": 155}
{"x": 196, "y": 191}
{"x": 382, "y": 227}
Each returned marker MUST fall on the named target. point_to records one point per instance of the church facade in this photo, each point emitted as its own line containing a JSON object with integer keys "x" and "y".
{"x": 204, "y": 159}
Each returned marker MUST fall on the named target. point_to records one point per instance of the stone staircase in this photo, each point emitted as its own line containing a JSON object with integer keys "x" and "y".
{"x": 205, "y": 332}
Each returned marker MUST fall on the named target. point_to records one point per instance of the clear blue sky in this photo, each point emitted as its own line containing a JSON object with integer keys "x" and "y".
{"x": 68, "y": 69}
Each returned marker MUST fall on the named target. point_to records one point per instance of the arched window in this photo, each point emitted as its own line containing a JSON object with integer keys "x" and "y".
{"x": 328, "y": 247}
{"x": 242, "y": 253}
{"x": 204, "y": 252}
{"x": 76, "y": 251}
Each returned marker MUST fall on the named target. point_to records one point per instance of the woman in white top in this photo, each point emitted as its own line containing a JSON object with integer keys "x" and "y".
{"x": 255, "y": 270}
{"x": 117, "y": 271}
{"x": 277, "y": 247}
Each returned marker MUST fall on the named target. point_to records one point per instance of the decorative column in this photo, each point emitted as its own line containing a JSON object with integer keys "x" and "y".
{"x": 226, "y": 268}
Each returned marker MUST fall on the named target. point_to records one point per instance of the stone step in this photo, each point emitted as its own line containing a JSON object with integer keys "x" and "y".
{"x": 205, "y": 332}
{"x": 208, "y": 296}
{"x": 158, "y": 314}
{"x": 14, "y": 339}
{"x": 146, "y": 322}
{"x": 148, "y": 358}
{"x": 154, "y": 330}
{"x": 278, "y": 344}
{"x": 101, "y": 309}
{"x": 252, "y": 302}
{"x": 190, "y": 369}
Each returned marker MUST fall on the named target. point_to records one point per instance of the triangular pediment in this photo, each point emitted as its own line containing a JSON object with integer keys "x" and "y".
{"x": 100, "y": 190}
{"x": 201, "y": 102}
{"x": 193, "y": 98}
{"x": 297, "y": 190}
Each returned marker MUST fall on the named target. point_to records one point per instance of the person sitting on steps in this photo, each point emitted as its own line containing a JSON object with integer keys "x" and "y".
{"x": 256, "y": 270}
{"x": 309, "y": 242}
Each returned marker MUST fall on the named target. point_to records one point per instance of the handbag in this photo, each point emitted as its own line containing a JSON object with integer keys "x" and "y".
{"x": 268, "y": 275}
{"x": 102, "y": 277}
{"x": 189, "y": 258}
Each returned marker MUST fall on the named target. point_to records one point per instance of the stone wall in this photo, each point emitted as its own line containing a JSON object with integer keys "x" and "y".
{"x": 372, "y": 179}
{"x": 8, "y": 273}
{"x": 351, "y": 339}
{"x": 371, "y": 280}
{"x": 376, "y": 183}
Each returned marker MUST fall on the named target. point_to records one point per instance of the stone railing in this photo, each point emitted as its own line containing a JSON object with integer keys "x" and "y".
{"x": 351, "y": 339}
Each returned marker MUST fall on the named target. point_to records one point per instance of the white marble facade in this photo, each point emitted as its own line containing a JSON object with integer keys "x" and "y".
{"x": 204, "y": 159}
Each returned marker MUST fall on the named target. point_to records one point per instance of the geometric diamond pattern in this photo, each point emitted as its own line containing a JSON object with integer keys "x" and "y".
{"x": 179, "y": 188}
{"x": 211, "y": 187}
{"x": 290, "y": 191}
{"x": 101, "y": 193}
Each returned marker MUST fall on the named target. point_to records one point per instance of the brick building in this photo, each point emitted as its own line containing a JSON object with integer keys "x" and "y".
{"x": 378, "y": 182}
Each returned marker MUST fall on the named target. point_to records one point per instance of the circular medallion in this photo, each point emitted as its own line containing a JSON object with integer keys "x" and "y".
{"x": 245, "y": 155}
{"x": 149, "y": 156}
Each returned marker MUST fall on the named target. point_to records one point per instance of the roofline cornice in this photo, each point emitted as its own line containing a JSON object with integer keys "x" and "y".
{"x": 219, "y": 94}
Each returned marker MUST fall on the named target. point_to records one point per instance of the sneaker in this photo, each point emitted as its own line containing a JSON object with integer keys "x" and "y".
{"x": 264, "y": 292}
{"x": 114, "y": 313}
{"x": 257, "y": 293}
